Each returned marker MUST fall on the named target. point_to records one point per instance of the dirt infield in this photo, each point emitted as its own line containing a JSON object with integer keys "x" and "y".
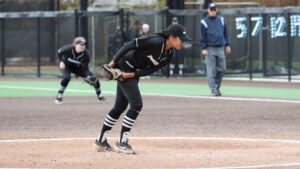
{"x": 171, "y": 132}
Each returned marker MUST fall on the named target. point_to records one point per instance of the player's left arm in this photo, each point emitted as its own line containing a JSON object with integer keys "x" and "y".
{"x": 86, "y": 60}
{"x": 227, "y": 44}
{"x": 60, "y": 55}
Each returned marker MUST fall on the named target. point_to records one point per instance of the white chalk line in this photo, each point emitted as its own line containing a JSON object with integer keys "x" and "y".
{"x": 179, "y": 138}
{"x": 276, "y": 80}
{"x": 50, "y": 89}
{"x": 166, "y": 95}
{"x": 229, "y": 98}
{"x": 159, "y": 138}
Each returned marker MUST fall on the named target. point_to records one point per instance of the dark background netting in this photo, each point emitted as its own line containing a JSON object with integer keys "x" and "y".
{"x": 27, "y": 35}
{"x": 28, "y": 5}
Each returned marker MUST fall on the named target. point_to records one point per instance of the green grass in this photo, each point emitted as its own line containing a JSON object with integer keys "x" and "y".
{"x": 78, "y": 88}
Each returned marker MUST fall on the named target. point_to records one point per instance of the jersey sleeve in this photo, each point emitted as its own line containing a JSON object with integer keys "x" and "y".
{"x": 145, "y": 42}
{"x": 124, "y": 49}
{"x": 87, "y": 57}
{"x": 60, "y": 53}
{"x": 86, "y": 60}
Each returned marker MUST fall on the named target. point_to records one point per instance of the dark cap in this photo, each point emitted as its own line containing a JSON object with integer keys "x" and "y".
{"x": 174, "y": 19}
{"x": 178, "y": 31}
{"x": 80, "y": 41}
{"x": 212, "y": 5}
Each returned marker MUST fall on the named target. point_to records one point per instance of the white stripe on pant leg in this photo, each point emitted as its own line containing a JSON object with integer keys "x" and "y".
{"x": 128, "y": 122}
{"x": 108, "y": 124}
{"x": 129, "y": 119}
{"x": 109, "y": 120}
{"x": 124, "y": 124}
{"x": 62, "y": 88}
{"x": 112, "y": 119}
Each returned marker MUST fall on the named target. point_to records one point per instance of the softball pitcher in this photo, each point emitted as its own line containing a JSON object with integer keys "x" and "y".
{"x": 137, "y": 58}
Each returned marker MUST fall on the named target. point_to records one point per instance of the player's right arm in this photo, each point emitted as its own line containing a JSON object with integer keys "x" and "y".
{"x": 61, "y": 53}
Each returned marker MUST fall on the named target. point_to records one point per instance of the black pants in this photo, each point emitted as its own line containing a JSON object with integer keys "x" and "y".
{"x": 127, "y": 93}
{"x": 79, "y": 71}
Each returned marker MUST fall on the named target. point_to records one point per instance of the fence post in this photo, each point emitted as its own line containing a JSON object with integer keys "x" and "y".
{"x": 52, "y": 33}
{"x": 289, "y": 48}
{"x": 167, "y": 21}
{"x": 250, "y": 48}
{"x": 127, "y": 20}
{"x": 2, "y": 48}
{"x": 121, "y": 17}
{"x": 264, "y": 45}
{"x": 84, "y": 20}
{"x": 167, "y": 17}
{"x": 38, "y": 47}
{"x": 52, "y": 40}
{"x": 76, "y": 23}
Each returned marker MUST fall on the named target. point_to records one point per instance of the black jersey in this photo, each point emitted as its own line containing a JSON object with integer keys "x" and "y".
{"x": 68, "y": 55}
{"x": 145, "y": 54}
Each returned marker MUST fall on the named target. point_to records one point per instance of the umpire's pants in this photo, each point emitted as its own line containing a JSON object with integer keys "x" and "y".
{"x": 215, "y": 67}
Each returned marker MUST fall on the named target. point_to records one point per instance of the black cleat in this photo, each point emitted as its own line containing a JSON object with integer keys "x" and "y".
{"x": 59, "y": 101}
{"x": 104, "y": 146}
{"x": 102, "y": 99}
{"x": 124, "y": 147}
{"x": 216, "y": 93}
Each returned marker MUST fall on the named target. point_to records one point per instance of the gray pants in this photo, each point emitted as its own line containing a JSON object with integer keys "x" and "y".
{"x": 215, "y": 67}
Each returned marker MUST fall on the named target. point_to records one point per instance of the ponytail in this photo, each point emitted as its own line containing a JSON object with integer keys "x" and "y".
{"x": 164, "y": 33}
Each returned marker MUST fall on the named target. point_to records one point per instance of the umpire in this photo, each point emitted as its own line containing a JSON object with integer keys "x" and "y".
{"x": 213, "y": 40}
{"x": 137, "y": 58}
{"x": 75, "y": 58}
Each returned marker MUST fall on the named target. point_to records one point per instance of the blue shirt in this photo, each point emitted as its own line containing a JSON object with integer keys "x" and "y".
{"x": 213, "y": 32}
